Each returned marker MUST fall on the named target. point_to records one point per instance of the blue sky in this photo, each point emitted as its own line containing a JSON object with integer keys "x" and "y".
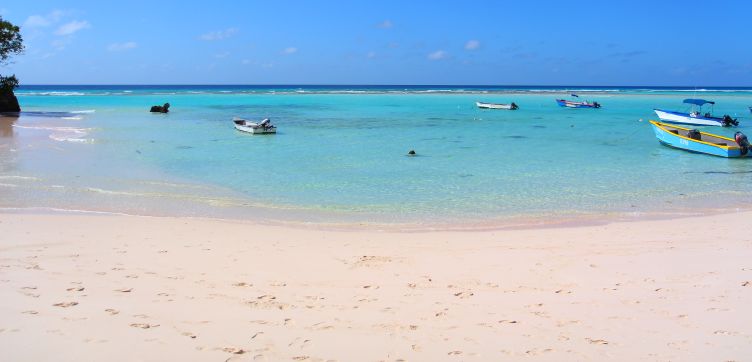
{"x": 689, "y": 43}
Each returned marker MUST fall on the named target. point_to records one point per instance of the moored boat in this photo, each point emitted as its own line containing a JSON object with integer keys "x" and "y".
{"x": 701, "y": 142}
{"x": 512, "y": 106}
{"x": 572, "y": 104}
{"x": 695, "y": 116}
{"x": 263, "y": 127}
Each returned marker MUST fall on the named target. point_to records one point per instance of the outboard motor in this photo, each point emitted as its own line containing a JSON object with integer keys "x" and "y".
{"x": 694, "y": 134}
{"x": 728, "y": 121}
{"x": 742, "y": 141}
{"x": 596, "y": 105}
{"x": 265, "y": 123}
{"x": 514, "y": 106}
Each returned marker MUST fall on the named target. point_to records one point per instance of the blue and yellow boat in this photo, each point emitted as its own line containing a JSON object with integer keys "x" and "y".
{"x": 693, "y": 140}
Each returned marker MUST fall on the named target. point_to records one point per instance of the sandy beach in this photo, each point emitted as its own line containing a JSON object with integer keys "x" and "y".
{"x": 104, "y": 287}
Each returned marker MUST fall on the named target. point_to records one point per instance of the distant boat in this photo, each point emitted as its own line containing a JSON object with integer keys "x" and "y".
{"x": 511, "y": 107}
{"x": 695, "y": 141}
{"x": 263, "y": 127}
{"x": 583, "y": 104}
{"x": 695, "y": 116}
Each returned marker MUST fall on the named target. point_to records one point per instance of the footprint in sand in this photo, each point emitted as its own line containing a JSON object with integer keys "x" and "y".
{"x": 30, "y": 312}
{"x": 256, "y": 335}
{"x": 454, "y": 353}
{"x": 597, "y": 341}
{"x": 464, "y": 295}
{"x": 724, "y": 333}
{"x": 144, "y": 325}
{"x": 65, "y": 304}
{"x": 507, "y": 321}
{"x": 242, "y": 284}
{"x": 746, "y": 283}
{"x": 188, "y": 334}
{"x": 233, "y": 350}
{"x": 124, "y": 290}
{"x": 75, "y": 289}
{"x": 112, "y": 311}
{"x": 301, "y": 358}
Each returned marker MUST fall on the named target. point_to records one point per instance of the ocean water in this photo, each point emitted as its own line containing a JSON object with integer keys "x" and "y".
{"x": 340, "y": 154}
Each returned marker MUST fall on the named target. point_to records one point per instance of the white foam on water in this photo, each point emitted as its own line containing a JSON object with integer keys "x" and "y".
{"x": 16, "y": 177}
{"x": 61, "y": 129}
{"x": 63, "y": 138}
{"x": 85, "y": 111}
{"x": 75, "y": 118}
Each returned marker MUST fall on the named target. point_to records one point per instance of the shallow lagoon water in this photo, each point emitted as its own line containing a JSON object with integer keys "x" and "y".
{"x": 340, "y": 154}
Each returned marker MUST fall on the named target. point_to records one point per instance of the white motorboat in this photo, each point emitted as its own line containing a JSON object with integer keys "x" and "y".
{"x": 510, "y": 107}
{"x": 263, "y": 127}
{"x": 696, "y": 117}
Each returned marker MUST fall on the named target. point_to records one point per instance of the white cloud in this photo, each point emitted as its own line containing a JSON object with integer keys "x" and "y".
{"x": 222, "y": 55}
{"x": 290, "y": 50}
{"x": 218, "y": 35}
{"x": 439, "y": 54}
{"x": 119, "y": 47}
{"x": 472, "y": 45}
{"x": 72, "y": 27}
{"x": 41, "y": 21}
{"x": 386, "y": 24}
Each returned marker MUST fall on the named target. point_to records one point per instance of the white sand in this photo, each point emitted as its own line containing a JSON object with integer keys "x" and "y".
{"x": 650, "y": 290}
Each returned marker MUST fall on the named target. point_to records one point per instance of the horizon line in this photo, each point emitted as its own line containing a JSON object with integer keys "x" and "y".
{"x": 379, "y": 85}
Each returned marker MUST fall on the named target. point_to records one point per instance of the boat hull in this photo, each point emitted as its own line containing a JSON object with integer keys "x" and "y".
{"x": 710, "y": 144}
{"x": 685, "y": 118}
{"x": 495, "y": 106}
{"x": 569, "y": 104}
{"x": 256, "y": 130}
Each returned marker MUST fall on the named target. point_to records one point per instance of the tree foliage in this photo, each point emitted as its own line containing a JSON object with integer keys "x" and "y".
{"x": 11, "y": 41}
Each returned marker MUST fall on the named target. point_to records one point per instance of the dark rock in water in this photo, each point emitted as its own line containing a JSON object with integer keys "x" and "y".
{"x": 9, "y": 102}
{"x": 411, "y": 153}
{"x": 160, "y": 109}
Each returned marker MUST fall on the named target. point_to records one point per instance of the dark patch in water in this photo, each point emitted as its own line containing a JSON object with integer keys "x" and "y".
{"x": 439, "y": 119}
{"x": 465, "y": 175}
{"x": 467, "y": 147}
{"x": 537, "y": 117}
{"x": 538, "y": 126}
{"x": 184, "y": 147}
{"x": 720, "y": 172}
{"x": 433, "y": 139}
{"x": 516, "y": 137}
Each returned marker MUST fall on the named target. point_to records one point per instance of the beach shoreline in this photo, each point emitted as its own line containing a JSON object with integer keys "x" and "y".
{"x": 127, "y": 287}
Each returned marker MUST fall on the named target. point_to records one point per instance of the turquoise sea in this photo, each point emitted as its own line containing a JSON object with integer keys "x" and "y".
{"x": 340, "y": 154}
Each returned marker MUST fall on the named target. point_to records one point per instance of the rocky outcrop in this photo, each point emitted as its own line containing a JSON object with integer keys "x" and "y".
{"x": 9, "y": 102}
{"x": 160, "y": 109}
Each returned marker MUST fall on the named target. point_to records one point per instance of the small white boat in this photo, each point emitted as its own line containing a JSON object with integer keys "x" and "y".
{"x": 263, "y": 127}
{"x": 511, "y": 107}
